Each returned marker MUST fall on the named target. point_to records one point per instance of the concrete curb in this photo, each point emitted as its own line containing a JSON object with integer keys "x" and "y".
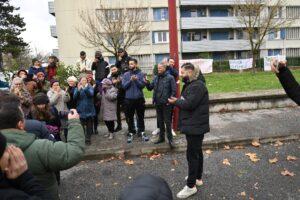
{"x": 130, "y": 151}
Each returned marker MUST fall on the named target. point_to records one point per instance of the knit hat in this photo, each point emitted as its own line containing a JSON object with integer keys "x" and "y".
{"x": 72, "y": 78}
{"x": 106, "y": 81}
{"x": 2, "y": 145}
{"x": 53, "y": 81}
{"x": 40, "y": 99}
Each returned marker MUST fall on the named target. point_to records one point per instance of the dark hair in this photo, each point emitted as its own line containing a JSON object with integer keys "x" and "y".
{"x": 41, "y": 115}
{"x": 188, "y": 66}
{"x": 121, "y": 50}
{"x": 34, "y": 60}
{"x": 82, "y": 53}
{"x": 22, "y": 70}
{"x": 171, "y": 59}
{"x": 134, "y": 60}
{"x": 9, "y": 99}
{"x": 10, "y": 116}
{"x": 112, "y": 66}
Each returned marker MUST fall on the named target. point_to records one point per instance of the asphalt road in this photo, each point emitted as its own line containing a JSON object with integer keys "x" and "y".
{"x": 242, "y": 179}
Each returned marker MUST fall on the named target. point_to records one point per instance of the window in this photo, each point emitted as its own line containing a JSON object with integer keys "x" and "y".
{"x": 219, "y": 12}
{"x": 243, "y": 54}
{"x": 275, "y": 35}
{"x": 240, "y": 34}
{"x": 222, "y": 35}
{"x": 145, "y": 62}
{"x": 293, "y": 52}
{"x": 274, "y": 52}
{"x": 160, "y": 57}
{"x": 194, "y": 12}
{"x": 114, "y": 15}
{"x": 160, "y": 14}
{"x": 293, "y": 33}
{"x": 277, "y": 12}
{"x": 160, "y": 37}
{"x": 293, "y": 12}
{"x": 140, "y": 14}
{"x": 194, "y": 36}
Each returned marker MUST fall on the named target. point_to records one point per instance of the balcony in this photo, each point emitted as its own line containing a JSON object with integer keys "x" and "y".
{"x": 210, "y": 22}
{"x": 215, "y": 45}
{"x": 55, "y": 52}
{"x": 51, "y": 8}
{"x": 53, "y": 31}
{"x": 207, "y": 2}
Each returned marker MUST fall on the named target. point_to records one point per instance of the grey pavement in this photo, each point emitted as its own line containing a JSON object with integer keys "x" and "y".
{"x": 226, "y": 128}
{"x": 243, "y": 179}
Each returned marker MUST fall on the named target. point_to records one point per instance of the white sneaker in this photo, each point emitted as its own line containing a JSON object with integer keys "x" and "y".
{"x": 111, "y": 136}
{"x": 198, "y": 182}
{"x": 155, "y": 132}
{"x": 186, "y": 192}
{"x": 173, "y": 133}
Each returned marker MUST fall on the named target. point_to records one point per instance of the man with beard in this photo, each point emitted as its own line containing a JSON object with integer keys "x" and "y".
{"x": 123, "y": 61}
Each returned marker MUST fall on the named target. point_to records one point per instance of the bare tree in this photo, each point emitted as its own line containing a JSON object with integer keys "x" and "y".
{"x": 111, "y": 28}
{"x": 260, "y": 18}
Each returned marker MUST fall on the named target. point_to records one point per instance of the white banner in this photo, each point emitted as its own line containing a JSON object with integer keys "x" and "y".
{"x": 241, "y": 64}
{"x": 268, "y": 60}
{"x": 206, "y": 65}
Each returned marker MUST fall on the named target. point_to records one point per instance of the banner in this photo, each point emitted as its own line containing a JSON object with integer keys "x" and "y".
{"x": 206, "y": 65}
{"x": 241, "y": 64}
{"x": 268, "y": 60}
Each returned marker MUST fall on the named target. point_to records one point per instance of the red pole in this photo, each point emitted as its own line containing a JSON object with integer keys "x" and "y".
{"x": 173, "y": 33}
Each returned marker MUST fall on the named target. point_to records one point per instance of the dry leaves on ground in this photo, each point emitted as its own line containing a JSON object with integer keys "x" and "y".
{"x": 155, "y": 156}
{"x": 278, "y": 143}
{"x": 116, "y": 183}
{"x": 208, "y": 151}
{"x": 175, "y": 162}
{"x": 239, "y": 147}
{"x": 98, "y": 184}
{"x": 291, "y": 158}
{"x": 129, "y": 162}
{"x": 273, "y": 161}
{"x": 106, "y": 160}
{"x": 243, "y": 194}
{"x": 226, "y": 147}
{"x": 255, "y": 143}
{"x": 226, "y": 162}
{"x": 285, "y": 172}
{"x": 253, "y": 157}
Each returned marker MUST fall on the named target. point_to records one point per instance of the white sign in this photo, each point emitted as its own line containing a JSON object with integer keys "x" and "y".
{"x": 205, "y": 65}
{"x": 241, "y": 64}
{"x": 269, "y": 59}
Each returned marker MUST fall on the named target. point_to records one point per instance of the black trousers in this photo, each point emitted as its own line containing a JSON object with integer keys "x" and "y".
{"x": 164, "y": 119}
{"x": 110, "y": 126}
{"x": 135, "y": 106}
{"x": 119, "y": 110}
{"x": 194, "y": 157}
{"x": 87, "y": 125}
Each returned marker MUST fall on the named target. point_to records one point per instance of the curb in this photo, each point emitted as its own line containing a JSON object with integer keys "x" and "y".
{"x": 213, "y": 144}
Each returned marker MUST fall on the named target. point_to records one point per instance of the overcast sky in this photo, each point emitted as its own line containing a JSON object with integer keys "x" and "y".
{"x": 38, "y": 21}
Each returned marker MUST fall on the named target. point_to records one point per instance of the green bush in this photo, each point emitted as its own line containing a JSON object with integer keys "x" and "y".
{"x": 63, "y": 72}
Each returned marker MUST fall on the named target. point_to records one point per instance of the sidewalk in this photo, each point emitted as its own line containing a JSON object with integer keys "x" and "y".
{"x": 238, "y": 128}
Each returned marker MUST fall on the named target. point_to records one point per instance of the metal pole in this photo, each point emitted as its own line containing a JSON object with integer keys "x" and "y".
{"x": 173, "y": 33}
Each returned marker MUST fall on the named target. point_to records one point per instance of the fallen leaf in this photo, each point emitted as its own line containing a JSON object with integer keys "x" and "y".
{"x": 208, "y": 151}
{"x": 155, "y": 156}
{"x": 226, "y": 147}
{"x": 243, "y": 194}
{"x": 278, "y": 143}
{"x": 253, "y": 157}
{"x": 175, "y": 162}
{"x": 129, "y": 162}
{"x": 285, "y": 172}
{"x": 226, "y": 162}
{"x": 98, "y": 184}
{"x": 291, "y": 158}
{"x": 256, "y": 186}
{"x": 78, "y": 197}
{"x": 172, "y": 170}
{"x": 255, "y": 143}
{"x": 274, "y": 160}
{"x": 129, "y": 177}
{"x": 239, "y": 147}
{"x": 116, "y": 183}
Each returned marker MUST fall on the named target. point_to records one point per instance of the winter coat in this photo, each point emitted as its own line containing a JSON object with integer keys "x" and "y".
{"x": 164, "y": 87}
{"x": 72, "y": 103}
{"x": 45, "y": 157}
{"x": 33, "y": 70}
{"x": 59, "y": 101}
{"x": 101, "y": 68}
{"x": 39, "y": 129}
{"x": 23, "y": 187}
{"x": 123, "y": 64}
{"x": 85, "y": 102}
{"x": 194, "y": 108}
{"x": 173, "y": 72}
{"x": 289, "y": 83}
{"x": 121, "y": 91}
{"x": 26, "y": 101}
{"x": 147, "y": 187}
{"x": 109, "y": 104}
{"x": 42, "y": 87}
{"x": 133, "y": 89}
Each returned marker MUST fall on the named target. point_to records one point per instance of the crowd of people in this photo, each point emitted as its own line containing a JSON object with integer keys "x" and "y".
{"x": 45, "y": 127}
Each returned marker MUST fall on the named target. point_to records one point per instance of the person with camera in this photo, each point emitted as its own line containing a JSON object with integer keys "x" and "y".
{"x": 194, "y": 123}
{"x": 164, "y": 87}
{"x": 287, "y": 80}
{"x": 133, "y": 84}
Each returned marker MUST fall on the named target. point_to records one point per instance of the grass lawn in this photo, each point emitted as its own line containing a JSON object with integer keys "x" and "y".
{"x": 240, "y": 82}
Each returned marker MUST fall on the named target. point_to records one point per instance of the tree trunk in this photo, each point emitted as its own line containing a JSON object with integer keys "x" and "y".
{"x": 255, "y": 58}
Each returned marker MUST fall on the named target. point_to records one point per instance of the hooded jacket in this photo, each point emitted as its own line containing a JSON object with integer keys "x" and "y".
{"x": 101, "y": 69}
{"x": 134, "y": 89}
{"x": 45, "y": 157}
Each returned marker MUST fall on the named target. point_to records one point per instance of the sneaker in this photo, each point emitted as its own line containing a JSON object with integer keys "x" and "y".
{"x": 145, "y": 138}
{"x": 198, "y": 182}
{"x": 173, "y": 133}
{"x": 106, "y": 135}
{"x": 111, "y": 136}
{"x": 129, "y": 137}
{"x": 186, "y": 192}
{"x": 155, "y": 132}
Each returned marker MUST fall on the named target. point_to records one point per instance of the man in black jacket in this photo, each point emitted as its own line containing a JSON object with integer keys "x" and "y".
{"x": 194, "y": 123}
{"x": 288, "y": 81}
{"x": 100, "y": 67}
{"x": 164, "y": 87}
{"x": 123, "y": 61}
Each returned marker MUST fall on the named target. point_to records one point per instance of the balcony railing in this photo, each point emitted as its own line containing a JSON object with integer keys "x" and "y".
{"x": 51, "y": 8}
{"x": 208, "y": 2}
{"x": 53, "y": 31}
{"x": 210, "y": 22}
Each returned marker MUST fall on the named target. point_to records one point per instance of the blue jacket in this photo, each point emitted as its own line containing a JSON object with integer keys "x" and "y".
{"x": 134, "y": 89}
{"x": 85, "y": 102}
{"x": 39, "y": 129}
{"x": 33, "y": 70}
{"x": 173, "y": 72}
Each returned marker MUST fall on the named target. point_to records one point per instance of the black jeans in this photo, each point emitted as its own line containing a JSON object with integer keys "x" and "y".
{"x": 135, "y": 106}
{"x": 87, "y": 125}
{"x": 110, "y": 126}
{"x": 194, "y": 157}
{"x": 164, "y": 119}
{"x": 119, "y": 110}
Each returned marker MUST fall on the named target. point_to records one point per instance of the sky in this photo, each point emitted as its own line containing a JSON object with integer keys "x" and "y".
{"x": 38, "y": 21}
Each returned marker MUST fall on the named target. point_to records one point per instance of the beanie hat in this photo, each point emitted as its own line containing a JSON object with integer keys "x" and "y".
{"x": 106, "y": 81}
{"x": 40, "y": 99}
{"x": 2, "y": 144}
{"x": 53, "y": 81}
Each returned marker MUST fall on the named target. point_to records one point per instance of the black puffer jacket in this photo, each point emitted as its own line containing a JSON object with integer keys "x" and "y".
{"x": 194, "y": 108}
{"x": 147, "y": 187}
{"x": 164, "y": 87}
{"x": 123, "y": 64}
{"x": 101, "y": 69}
{"x": 290, "y": 85}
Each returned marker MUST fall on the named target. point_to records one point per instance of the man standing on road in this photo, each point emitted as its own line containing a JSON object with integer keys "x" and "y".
{"x": 194, "y": 123}
{"x": 288, "y": 81}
